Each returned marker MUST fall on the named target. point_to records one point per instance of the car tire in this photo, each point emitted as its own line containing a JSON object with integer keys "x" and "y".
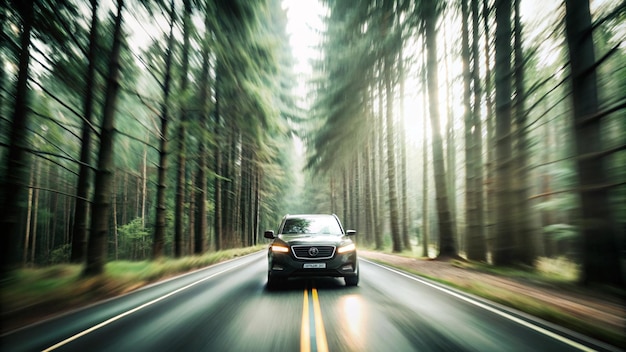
{"x": 351, "y": 280}
{"x": 272, "y": 282}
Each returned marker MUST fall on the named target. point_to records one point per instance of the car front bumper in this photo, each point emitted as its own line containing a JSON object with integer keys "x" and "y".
{"x": 285, "y": 266}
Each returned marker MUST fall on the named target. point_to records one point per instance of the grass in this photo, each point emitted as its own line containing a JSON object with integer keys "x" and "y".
{"x": 32, "y": 293}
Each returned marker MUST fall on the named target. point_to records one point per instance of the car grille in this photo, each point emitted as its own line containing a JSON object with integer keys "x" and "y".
{"x": 307, "y": 252}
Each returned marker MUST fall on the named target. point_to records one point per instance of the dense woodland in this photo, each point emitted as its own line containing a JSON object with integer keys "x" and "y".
{"x": 136, "y": 129}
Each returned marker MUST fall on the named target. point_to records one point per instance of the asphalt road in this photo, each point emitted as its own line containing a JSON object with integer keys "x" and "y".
{"x": 227, "y": 307}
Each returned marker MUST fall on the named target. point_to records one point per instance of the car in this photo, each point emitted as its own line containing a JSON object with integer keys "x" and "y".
{"x": 312, "y": 245}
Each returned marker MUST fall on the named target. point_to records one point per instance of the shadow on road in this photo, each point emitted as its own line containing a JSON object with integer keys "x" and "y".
{"x": 299, "y": 284}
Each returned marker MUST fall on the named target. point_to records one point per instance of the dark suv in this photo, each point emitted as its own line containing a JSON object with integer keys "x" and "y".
{"x": 312, "y": 245}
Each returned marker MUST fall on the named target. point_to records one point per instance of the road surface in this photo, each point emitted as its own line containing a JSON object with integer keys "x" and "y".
{"x": 227, "y": 307}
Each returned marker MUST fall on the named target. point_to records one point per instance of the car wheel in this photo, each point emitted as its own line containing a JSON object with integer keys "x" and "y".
{"x": 272, "y": 282}
{"x": 351, "y": 280}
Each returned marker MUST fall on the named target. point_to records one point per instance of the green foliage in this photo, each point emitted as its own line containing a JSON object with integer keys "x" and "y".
{"x": 61, "y": 254}
{"x": 563, "y": 203}
{"x": 339, "y": 127}
{"x": 562, "y": 232}
{"x": 135, "y": 240}
{"x": 62, "y": 286}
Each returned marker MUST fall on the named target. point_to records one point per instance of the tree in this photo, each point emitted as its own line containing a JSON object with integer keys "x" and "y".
{"x": 200, "y": 231}
{"x": 473, "y": 238}
{"x": 600, "y": 249}
{"x": 524, "y": 248}
{"x": 160, "y": 221}
{"x": 388, "y": 70}
{"x": 15, "y": 164}
{"x": 447, "y": 246}
{"x": 504, "y": 251}
{"x": 98, "y": 236}
{"x": 181, "y": 178}
{"x": 476, "y": 246}
{"x": 79, "y": 233}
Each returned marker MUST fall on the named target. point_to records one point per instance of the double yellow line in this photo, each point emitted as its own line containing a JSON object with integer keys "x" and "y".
{"x": 312, "y": 331}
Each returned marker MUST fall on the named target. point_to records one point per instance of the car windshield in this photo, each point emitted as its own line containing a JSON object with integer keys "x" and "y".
{"x": 319, "y": 225}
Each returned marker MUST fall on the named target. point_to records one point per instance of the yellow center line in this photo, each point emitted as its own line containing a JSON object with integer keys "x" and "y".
{"x": 322, "y": 344}
{"x": 307, "y": 331}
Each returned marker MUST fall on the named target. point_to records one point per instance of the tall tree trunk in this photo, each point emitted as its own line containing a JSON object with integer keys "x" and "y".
{"x": 489, "y": 193}
{"x": 600, "y": 242}
{"x": 144, "y": 186}
{"x": 478, "y": 249}
{"x": 201, "y": 174}
{"x": 100, "y": 216}
{"x": 35, "y": 207}
{"x": 200, "y": 232}
{"x": 79, "y": 235}
{"x": 217, "y": 238}
{"x": 160, "y": 221}
{"x": 523, "y": 231}
{"x": 547, "y": 215}
{"x": 181, "y": 179}
{"x": 229, "y": 189}
{"x": 380, "y": 200}
{"x": 388, "y": 66}
{"x": 191, "y": 238}
{"x": 447, "y": 246}
{"x": 369, "y": 194}
{"x": 470, "y": 192}
{"x": 56, "y": 219}
{"x": 450, "y": 146}
{"x": 373, "y": 184}
{"x": 244, "y": 196}
{"x": 16, "y": 168}
{"x": 404, "y": 197}
{"x": 394, "y": 216}
{"x": 114, "y": 218}
{"x": 29, "y": 215}
{"x": 425, "y": 193}
{"x": 504, "y": 251}
{"x": 257, "y": 206}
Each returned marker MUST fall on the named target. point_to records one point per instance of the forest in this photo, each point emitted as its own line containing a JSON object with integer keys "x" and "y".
{"x": 477, "y": 129}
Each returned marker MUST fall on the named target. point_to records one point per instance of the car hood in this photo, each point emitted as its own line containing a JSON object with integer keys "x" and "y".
{"x": 319, "y": 240}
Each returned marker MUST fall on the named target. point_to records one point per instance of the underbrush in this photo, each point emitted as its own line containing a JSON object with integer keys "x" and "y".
{"x": 559, "y": 268}
{"x": 36, "y": 292}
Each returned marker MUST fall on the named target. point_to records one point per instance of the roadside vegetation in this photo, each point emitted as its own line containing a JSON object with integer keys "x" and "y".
{"x": 37, "y": 292}
{"x": 549, "y": 273}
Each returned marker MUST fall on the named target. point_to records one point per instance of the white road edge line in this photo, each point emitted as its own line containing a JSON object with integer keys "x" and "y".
{"x": 491, "y": 309}
{"x": 136, "y": 309}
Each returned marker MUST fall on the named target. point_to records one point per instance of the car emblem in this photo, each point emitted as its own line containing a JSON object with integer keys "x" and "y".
{"x": 313, "y": 251}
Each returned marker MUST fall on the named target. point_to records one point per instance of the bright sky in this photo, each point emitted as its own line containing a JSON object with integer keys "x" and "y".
{"x": 304, "y": 21}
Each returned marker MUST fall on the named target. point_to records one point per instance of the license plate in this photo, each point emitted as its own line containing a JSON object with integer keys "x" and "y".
{"x": 314, "y": 265}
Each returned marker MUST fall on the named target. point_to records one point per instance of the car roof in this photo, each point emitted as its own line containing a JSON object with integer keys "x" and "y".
{"x": 290, "y": 216}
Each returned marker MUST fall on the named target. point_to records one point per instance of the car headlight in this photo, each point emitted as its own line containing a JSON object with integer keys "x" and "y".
{"x": 280, "y": 249}
{"x": 347, "y": 248}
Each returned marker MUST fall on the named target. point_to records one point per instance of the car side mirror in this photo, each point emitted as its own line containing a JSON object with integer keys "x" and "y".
{"x": 269, "y": 234}
{"x": 350, "y": 232}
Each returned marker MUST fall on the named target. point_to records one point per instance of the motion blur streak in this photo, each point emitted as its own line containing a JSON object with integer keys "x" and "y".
{"x": 120, "y": 316}
{"x": 496, "y": 311}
